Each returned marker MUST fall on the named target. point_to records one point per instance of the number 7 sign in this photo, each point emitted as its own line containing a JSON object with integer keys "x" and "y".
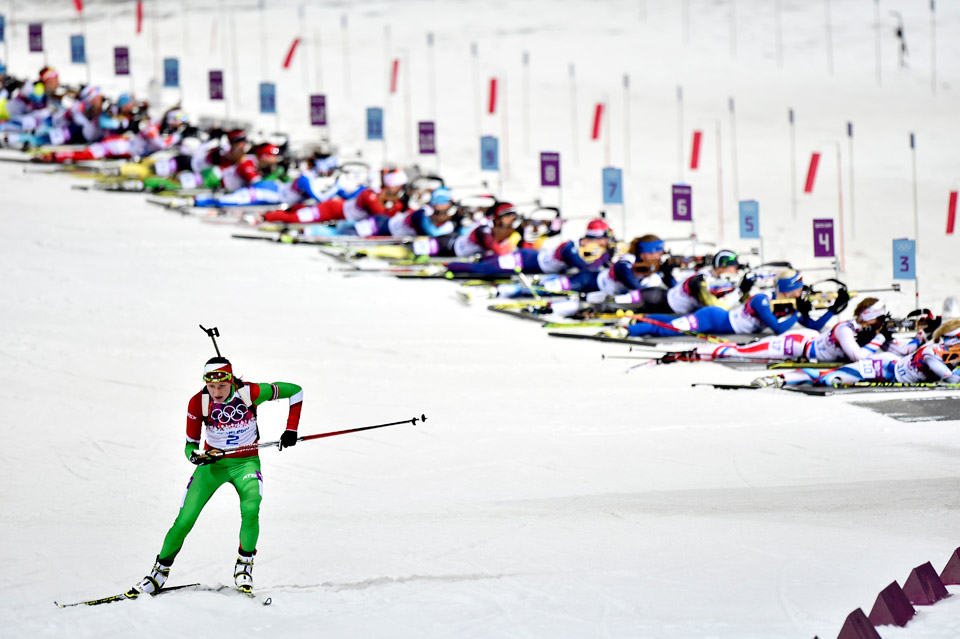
{"x": 904, "y": 259}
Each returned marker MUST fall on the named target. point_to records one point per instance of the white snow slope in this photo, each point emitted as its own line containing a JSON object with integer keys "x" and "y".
{"x": 548, "y": 494}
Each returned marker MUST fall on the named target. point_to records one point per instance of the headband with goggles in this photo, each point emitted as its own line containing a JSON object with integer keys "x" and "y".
{"x": 873, "y": 312}
{"x": 217, "y": 373}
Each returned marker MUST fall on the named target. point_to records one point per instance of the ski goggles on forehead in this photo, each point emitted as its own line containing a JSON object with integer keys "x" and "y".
{"x": 217, "y": 376}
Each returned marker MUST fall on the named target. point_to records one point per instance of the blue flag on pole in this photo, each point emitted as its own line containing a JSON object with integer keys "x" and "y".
{"x": 612, "y": 186}
{"x": 749, "y": 220}
{"x": 904, "y": 259}
{"x": 489, "y": 153}
{"x": 374, "y": 123}
{"x": 78, "y": 50}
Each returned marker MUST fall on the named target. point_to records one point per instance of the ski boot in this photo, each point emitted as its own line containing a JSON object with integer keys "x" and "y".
{"x": 615, "y": 332}
{"x": 679, "y": 356}
{"x": 153, "y": 582}
{"x": 771, "y": 381}
{"x": 243, "y": 574}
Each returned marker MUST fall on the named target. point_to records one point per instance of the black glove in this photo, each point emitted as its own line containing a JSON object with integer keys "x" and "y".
{"x": 841, "y": 302}
{"x": 804, "y": 306}
{"x": 288, "y": 439}
{"x": 202, "y": 459}
{"x": 745, "y": 285}
{"x": 887, "y": 330}
{"x": 929, "y": 326}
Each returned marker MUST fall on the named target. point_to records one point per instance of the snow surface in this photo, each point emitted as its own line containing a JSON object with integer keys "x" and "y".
{"x": 548, "y": 494}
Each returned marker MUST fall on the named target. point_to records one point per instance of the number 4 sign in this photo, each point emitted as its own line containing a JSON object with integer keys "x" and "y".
{"x": 823, "y": 238}
{"x": 904, "y": 259}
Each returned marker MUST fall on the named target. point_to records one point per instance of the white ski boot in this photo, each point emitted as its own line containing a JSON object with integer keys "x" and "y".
{"x": 243, "y": 574}
{"x": 771, "y": 381}
{"x": 153, "y": 582}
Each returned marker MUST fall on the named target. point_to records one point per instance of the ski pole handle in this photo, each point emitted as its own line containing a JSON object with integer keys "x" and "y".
{"x": 248, "y": 447}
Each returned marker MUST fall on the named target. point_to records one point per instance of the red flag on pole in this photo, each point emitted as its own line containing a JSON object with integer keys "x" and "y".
{"x": 293, "y": 49}
{"x": 78, "y": 4}
{"x": 393, "y": 75}
{"x": 695, "y": 155}
{"x": 139, "y": 17}
{"x": 492, "y": 104}
{"x": 951, "y": 212}
{"x": 597, "y": 119}
{"x": 812, "y": 173}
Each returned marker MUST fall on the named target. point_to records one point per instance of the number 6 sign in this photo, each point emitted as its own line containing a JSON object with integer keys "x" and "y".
{"x": 823, "y": 238}
{"x": 682, "y": 203}
{"x": 904, "y": 259}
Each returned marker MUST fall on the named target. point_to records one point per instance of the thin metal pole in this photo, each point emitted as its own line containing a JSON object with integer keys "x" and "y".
{"x": 606, "y": 129}
{"x": 916, "y": 219}
{"x": 431, "y": 70}
{"x": 793, "y": 165}
{"x": 408, "y": 103}
{"x": 573, "y": 114}
{"x": 504, "y": 121}
{"x": 526, "y": 102}
{"x": 733, "y": 146}
{"x": 346, "y": 53}
{"x": 853, "y": 210}
{"x": 876, "y": 21}
{"x": 779, "y": 35}
{"x": 842, "y": 262}
{"x": 719, "y": 182}
{"x": 318, "y": 59}
{"x": 733, "y": 28}
{"x": 933, "y": 47}
{"x": 626, "y": 123}
{"x": 680, "y": 132}
{"x": 829, "y": 28}
{"x": 475, "y": 55}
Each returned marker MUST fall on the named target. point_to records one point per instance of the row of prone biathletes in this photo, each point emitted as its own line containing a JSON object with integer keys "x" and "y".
{"x": 646, "y": 292}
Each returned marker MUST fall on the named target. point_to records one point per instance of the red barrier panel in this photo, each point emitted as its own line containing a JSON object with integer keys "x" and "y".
{"x": 695, "y": 155}
{"x": 812, "y": 173}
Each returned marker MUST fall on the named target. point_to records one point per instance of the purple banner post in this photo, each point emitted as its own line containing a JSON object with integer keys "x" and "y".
{"x": 35, "y": 36}
{"x": 318, "y": 110}
{"x": 121, "y": 61}
{"x": 549, "y": 169}
{"x": 823, "y": 238}
{"x": 428, "y": 138}
{"x": 682, "y": 203}
{"x": 216, "y": 85}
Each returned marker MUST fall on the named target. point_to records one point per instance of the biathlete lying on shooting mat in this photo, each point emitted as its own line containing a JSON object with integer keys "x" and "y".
{"x": 225, "y": 412}
{"x": 561, "y": 259}
{"x": 847, "y": 341}
{"x": 640, "y": 268}
{"x": 933, "y": 362}
{"x": 338, "y": 204}
{"x": 430, "y": 220}
{"x": 752, "y": 316}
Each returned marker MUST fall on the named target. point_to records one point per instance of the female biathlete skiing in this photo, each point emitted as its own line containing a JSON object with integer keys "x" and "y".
{"x": 226, "y": 410}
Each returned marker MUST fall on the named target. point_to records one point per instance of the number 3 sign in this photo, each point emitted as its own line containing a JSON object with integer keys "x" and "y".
{"x": 904, "y": 259}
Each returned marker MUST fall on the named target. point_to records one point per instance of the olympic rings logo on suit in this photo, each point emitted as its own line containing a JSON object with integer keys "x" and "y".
{"x": 229, "y": 414}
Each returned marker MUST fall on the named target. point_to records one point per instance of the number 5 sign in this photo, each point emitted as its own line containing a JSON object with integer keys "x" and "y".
{"x": 823, "y": 238}
{"x": 749, "y": 220}
{"x": 904, "y": 259}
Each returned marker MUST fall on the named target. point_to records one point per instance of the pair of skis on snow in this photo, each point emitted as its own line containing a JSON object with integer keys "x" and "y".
{"x": 133, "y": 593}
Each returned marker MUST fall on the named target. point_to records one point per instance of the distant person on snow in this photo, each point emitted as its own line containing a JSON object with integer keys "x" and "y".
{"x": 225, "y": 411}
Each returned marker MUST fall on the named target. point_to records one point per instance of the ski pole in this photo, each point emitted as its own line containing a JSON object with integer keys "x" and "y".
{"x": 213, "y": 334}
{"x": 713, "y": 339}
{"x": 220, "y": 452}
